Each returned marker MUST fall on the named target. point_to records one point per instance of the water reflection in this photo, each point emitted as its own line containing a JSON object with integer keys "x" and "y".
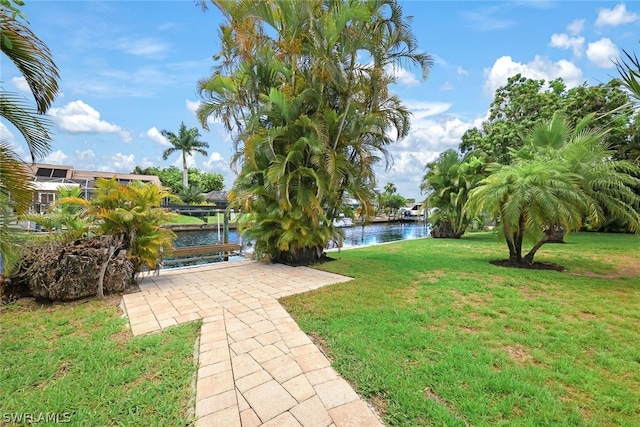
{"x": 370, "y": 234}
{"x": 373, "y": 234}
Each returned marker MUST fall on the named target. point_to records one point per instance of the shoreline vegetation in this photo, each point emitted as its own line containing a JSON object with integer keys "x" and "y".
{"x": 190, "y": 223}
{"x": 428, "y": 331}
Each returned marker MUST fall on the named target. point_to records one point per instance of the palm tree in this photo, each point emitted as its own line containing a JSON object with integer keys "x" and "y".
{"x": 132, "y": 215}
{"x": 65, "y": 221}
{"x": 309, "y": 120}
{"x": 562, "y": 177}
{"x": 447, "y": 182}
{"x": 527, "y": 198}
{"x": 187, "y": 142}
{"x": 629, "y": 70}
{"x": 33, "y": 59}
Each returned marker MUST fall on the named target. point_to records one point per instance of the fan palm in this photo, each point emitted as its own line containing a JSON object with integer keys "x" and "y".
{"x": 186, "y": 142}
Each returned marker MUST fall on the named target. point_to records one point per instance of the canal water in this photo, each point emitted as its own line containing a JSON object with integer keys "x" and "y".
{"x": 370, "y": 234}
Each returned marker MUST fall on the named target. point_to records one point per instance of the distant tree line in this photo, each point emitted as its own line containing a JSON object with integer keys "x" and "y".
{"x": 171, "y": 177}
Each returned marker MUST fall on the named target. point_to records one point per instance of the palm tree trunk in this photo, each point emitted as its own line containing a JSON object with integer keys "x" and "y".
{"x": 514, "y": 243}
{"x": 185, "y": 171}
{"x": 528, "y": 259}
{"x": 111, "y": 247}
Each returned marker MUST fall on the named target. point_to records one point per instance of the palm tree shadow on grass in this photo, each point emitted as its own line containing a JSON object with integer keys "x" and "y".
{"x": 534, "y": 266}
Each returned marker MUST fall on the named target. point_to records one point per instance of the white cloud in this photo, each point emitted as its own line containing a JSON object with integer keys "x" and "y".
{"x": 539, "y": 68}
{"x": 21, "y": 84}
{"x": 461, "y": 71}
{"x": 142, "y": 47}
{"x": 218, "y": 164}
{"x": 576, "y": 27}
{"x": 6, "y": 135}
{"x": 125, "y": 136}
{"x": 56, "y": 158}
{"x": 446, "y": 86}
{"x": 157, "y": 137}
{"x": 616, "y": 16}
{"x": 85, "y": 157}
{"x": 422, "y": 109}
{"x": 120, "y": 163}
{"x": 191, "y": 162}
{"x": 602, "y": 53}
{"x": 215, "y": 162}
{"x": 402, "y": 76}
{"x": 431, "y": 133}
{"x": 78, "y": 117}
{"x": 192, "y": 105}
{"x": 564, "y": 41}
{"x": 147, "y": 163}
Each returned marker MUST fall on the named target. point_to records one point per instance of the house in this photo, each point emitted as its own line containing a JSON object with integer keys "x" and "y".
{"x": 218, "y": 198}
{"x": 47, "y": 179}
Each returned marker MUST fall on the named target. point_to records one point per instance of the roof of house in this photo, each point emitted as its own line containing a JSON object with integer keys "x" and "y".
{"x": 216, "y": 196}
{"x": 60, "y": 173}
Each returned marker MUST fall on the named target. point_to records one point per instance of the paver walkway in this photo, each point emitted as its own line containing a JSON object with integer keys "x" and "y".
{"x": 256, "y": 367}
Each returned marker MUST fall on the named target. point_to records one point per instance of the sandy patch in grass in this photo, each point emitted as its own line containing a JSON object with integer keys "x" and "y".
{"x": 519, "y": 354}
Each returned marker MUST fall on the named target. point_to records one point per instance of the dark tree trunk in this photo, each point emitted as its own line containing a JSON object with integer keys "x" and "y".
{"x": 299, "y": 257}
{"x": 514, "y": 243}
{"x": 444, "y": 231}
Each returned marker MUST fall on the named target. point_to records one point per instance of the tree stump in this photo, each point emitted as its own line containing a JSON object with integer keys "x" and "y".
{"x": 66, "y": 271}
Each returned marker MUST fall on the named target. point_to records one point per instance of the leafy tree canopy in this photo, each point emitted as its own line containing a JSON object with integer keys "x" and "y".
{"x": 171, "y": 177}
{"x": 523, "y": 103}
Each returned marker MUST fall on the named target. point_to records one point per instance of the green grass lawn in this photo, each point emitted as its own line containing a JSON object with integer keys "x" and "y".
{"x": 433, "y": 334}
{"x": 79, "y": 361}
{"x": 186, "y": 219}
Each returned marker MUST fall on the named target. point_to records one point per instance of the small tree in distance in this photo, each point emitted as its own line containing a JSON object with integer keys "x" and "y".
{"x": 186, "y": 142}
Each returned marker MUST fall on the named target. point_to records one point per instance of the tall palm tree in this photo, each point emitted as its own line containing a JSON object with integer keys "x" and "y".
{"x": 186, "y": 142}
{"x": 310, "y": 121}
{"x": 33, "y": 59}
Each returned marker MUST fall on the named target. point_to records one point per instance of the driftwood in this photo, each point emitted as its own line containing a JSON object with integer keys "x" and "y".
{"x": 66, "y": 271}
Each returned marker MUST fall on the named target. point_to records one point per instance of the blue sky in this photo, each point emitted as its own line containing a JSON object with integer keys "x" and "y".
{"x": 129, "y": 69}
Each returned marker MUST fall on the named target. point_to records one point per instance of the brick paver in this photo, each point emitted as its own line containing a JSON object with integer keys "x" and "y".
{"x": 255, "y": 366}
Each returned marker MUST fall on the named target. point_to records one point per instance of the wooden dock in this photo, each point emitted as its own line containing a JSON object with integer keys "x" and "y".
{"x": 189, "y": 254}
